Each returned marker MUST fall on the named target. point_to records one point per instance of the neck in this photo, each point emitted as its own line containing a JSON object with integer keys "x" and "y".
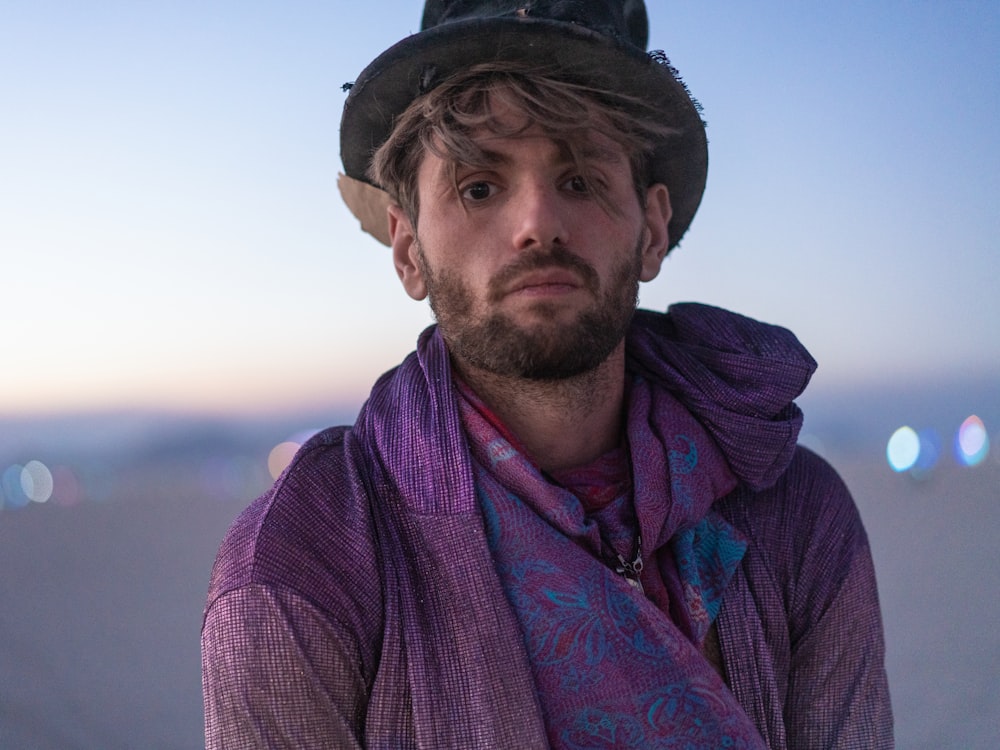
{"x": 564, "y": 423}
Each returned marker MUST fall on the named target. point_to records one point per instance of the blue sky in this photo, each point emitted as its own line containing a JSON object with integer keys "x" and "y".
{"x": 171, "y": 235}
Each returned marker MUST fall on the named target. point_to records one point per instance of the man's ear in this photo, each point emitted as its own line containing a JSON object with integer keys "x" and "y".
{"x": 657, "y": 241}
{"x": 403, "y": 239}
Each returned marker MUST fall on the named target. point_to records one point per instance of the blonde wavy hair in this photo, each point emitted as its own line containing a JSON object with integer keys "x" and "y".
{"x": 444, "y": 120}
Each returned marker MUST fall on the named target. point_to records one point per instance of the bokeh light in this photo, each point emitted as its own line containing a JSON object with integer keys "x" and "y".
{"x": 11, "y": 489}
{"x": 972, "y": 443}
{"x": 280, "y": 456}
{"x": 930, "y": 452}
{"x": 36, "y": 481}
{"x": 221, "y": 476}
{"x": 66, "y": 488}
{"x": 903, "y": 449}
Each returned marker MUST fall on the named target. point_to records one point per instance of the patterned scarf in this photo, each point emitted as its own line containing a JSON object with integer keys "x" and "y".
{"x": 738, "y": 377}
{"x": 615, "y": 668}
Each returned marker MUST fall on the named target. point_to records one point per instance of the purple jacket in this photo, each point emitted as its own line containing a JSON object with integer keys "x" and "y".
{"x": 356, "y": 604}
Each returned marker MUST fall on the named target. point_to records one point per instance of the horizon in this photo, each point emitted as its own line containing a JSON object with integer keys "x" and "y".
{"x": 847, "y": 424}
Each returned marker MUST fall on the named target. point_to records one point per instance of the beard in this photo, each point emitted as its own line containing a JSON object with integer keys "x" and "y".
{"x": 545, "y": 349}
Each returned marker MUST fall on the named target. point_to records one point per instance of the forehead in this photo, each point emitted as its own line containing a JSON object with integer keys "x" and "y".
{"x": 506, "y": 116}
{"x": 507, "y": 131}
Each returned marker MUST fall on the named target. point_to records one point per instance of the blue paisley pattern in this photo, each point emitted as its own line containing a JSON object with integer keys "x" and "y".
{"x": 612, "y": 671}
{"x": 681, "y": 464}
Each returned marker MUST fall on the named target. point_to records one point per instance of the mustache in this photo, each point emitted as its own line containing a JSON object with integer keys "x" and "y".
{"x": 536, "y": 260}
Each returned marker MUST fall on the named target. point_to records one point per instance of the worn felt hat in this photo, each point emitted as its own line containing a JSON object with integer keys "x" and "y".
{"x": 600, "y": 42}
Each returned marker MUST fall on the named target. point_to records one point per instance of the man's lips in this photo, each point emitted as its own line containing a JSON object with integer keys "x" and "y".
{"x": 540, "y": 273}
{"x": 545, "y": 281}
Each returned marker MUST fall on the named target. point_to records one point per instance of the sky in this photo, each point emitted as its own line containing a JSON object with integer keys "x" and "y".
{"x": 171, "y": 236}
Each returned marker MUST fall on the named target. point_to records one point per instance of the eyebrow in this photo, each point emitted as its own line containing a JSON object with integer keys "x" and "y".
{"x": 592, "y": 151}
{"x": 587, "y": 151}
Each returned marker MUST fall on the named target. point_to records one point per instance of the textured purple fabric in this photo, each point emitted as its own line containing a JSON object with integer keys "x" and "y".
{"x": 357, "y": 603}
{"x": 612, "y": 670}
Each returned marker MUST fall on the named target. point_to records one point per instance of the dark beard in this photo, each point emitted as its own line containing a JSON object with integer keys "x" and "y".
{"x": 495, "y": 344}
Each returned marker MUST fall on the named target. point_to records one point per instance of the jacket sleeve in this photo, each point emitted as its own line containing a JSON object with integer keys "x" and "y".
{"x": 291, "y": 632}
{"x": 801, "y": 627}
{"x": 277, "y": 673}
{"x": 838, "y": 695}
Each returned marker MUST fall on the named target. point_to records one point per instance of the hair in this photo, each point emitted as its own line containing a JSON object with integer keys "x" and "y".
{"x": 444, "y": 120}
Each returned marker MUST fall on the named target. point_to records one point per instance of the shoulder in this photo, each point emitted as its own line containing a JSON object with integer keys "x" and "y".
{"x": 291, "y": 630}
{"x": 311, "y": 533}
{"x": 809, "y": 499}
{"x": 805, "y": 537}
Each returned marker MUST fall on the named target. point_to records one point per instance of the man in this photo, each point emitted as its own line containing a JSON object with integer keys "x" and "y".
{"x": 560, "y": 522}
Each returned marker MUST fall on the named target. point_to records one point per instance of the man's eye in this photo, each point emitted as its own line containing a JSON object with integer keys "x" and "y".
{"x": 577, "y": 184}
{"x": 477, "y": 191}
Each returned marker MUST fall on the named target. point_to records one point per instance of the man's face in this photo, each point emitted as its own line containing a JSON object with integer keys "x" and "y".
{"x": 528, "y": 276}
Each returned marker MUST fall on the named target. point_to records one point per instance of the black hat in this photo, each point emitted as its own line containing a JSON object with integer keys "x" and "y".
{"x": 601, "y": 41}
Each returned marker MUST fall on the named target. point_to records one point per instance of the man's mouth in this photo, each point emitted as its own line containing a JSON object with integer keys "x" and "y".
{"x": 544, "y": 282}
{"x": 553, "y": 272}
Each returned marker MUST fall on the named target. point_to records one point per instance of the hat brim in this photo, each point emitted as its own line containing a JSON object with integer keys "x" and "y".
{"x": 400, "y": 74}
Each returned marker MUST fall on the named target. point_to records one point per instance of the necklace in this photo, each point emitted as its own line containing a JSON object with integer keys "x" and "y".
{"x": 630, "y": 571}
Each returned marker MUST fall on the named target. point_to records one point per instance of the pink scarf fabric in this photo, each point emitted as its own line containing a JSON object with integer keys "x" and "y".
{"x": 615, "y": 668}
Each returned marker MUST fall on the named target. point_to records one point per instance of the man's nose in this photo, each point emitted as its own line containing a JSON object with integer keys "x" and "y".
{"x": 540, "y": 217}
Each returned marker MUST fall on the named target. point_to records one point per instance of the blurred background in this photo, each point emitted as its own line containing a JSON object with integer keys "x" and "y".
{"x": 184, "y": 299}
